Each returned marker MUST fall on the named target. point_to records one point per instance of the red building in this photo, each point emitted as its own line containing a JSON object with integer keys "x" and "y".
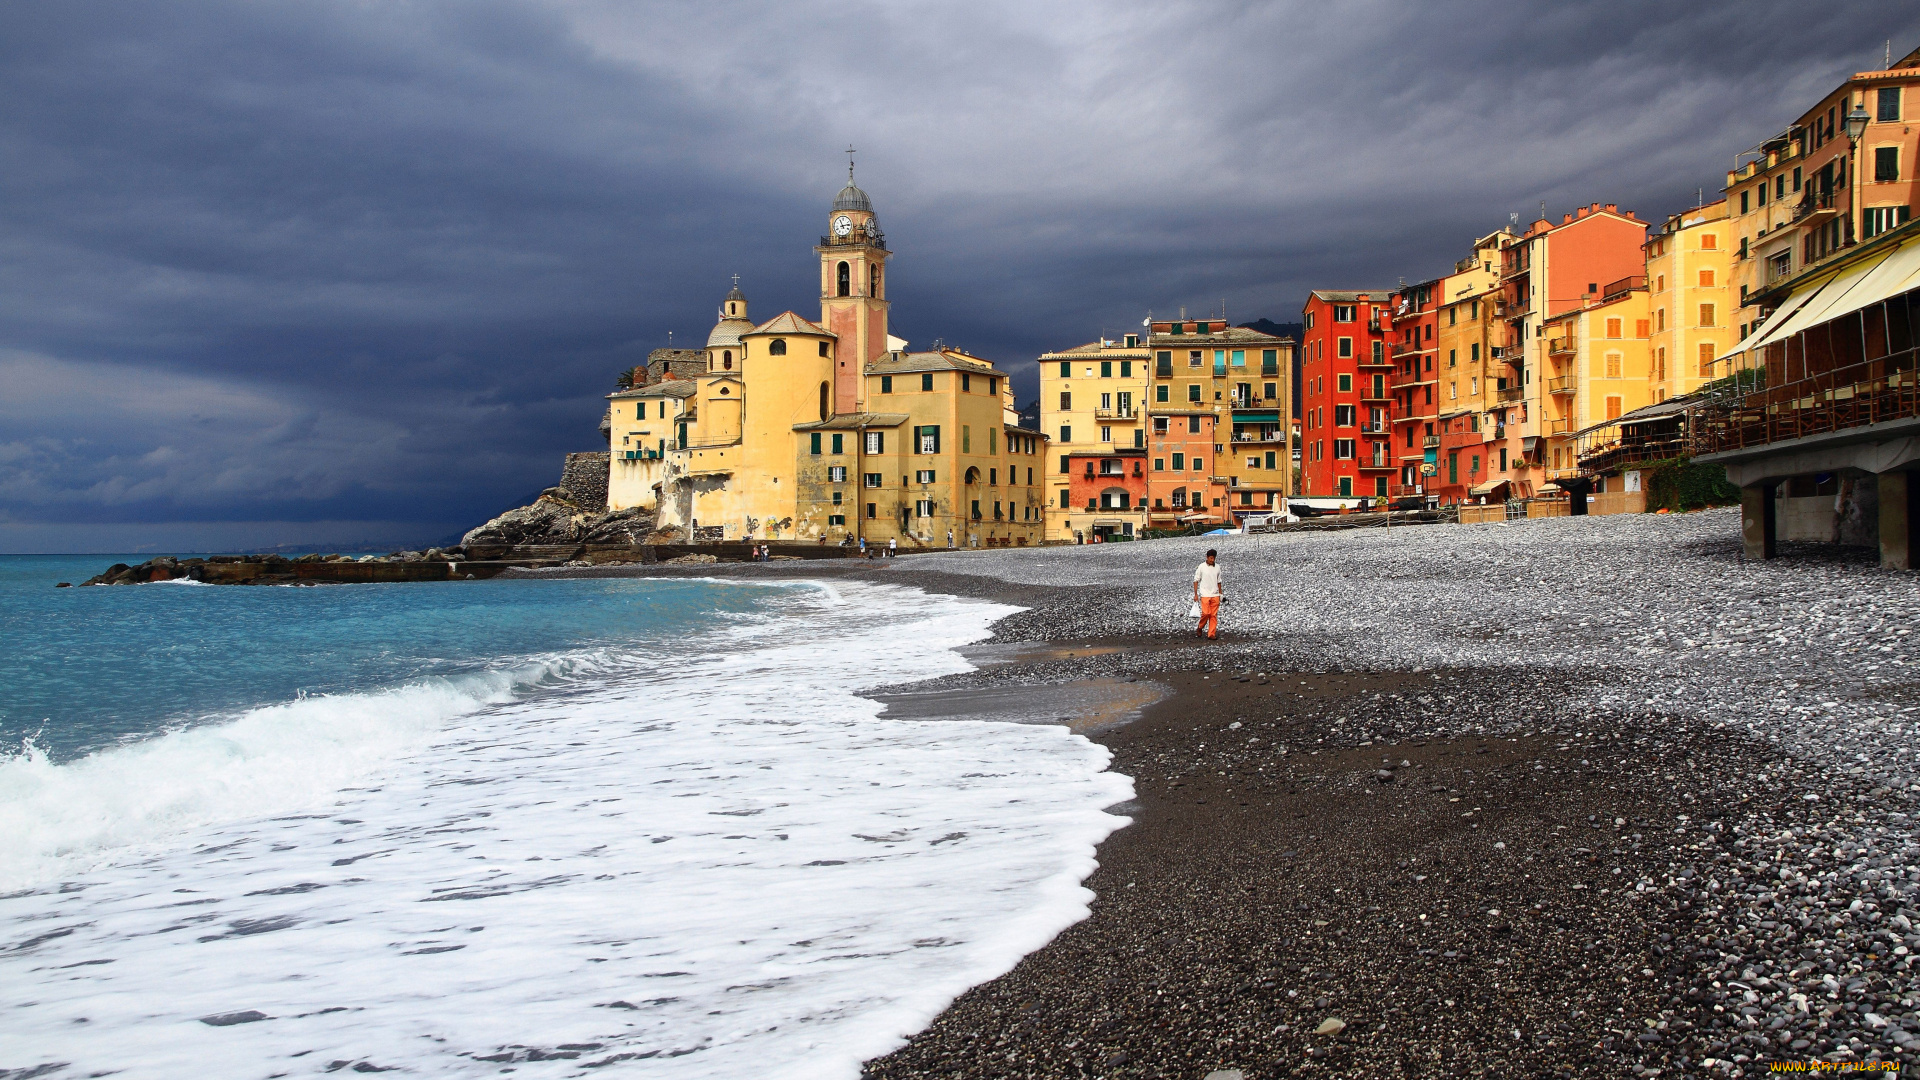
{"x": 1115, "y": 480}
{"x": 1412, "y": 349}
{"x": 1343, "y": 404}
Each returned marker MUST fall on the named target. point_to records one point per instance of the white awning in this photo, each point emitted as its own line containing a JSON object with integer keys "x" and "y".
{"x": 1774, "y": 321}
{"x": 1856, "y": 287}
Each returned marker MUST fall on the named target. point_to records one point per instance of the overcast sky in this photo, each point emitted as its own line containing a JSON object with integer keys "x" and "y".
{"x": 321, "y": 273}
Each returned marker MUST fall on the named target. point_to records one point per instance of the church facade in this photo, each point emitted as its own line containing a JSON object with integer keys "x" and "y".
{"x": 829, "y": 431}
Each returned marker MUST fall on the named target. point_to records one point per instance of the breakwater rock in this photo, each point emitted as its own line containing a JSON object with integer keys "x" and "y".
{"x": 557, "y": 517}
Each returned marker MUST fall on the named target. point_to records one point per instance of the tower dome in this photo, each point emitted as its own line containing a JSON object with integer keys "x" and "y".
{"x": 852, "y": 198}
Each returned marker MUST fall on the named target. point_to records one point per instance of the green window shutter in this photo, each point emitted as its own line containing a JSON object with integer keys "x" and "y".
{"x": 1066, "y": 369}
{"x": 1126, "y": 369}
{"x": 836, "y": 442}
{"x": 1106, "y": 369}
{"x": 966, "y": 438}
{"x": 815, "y": 447}
{"x": 926, "y": 382}
{"x": 886, "y": 384}
{"x": 1269, "y": 459}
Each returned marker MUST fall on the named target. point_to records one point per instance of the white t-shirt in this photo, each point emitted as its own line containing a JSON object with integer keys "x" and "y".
{"x": 1208, "y": 578}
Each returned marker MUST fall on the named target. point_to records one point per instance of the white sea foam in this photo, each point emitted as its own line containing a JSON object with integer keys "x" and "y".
{"x": 720, "y": 865}
{"x": 64, "y": 819}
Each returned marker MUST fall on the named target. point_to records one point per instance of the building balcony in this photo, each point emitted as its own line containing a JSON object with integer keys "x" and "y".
{"x": 1564, "y": 384}
{"x": 1512, "y": 394}
{"x": 1252, "y": 440}
{"x": 1561, "y": 346}
{"x": 1381, "y": 361}
{"x": 1377, "y": 465}
{"x": 1632, "y": 283}
{"x": 1116, "y": 414}
{"x": 1817, "y": 206}
{"x": 1559, "y": 427}
{"x": 1430, "y": 441}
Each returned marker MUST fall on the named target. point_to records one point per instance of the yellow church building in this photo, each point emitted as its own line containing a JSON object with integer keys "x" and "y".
{"x": 829, "y": 431}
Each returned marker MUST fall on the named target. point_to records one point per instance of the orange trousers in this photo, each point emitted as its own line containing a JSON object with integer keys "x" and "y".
{"x": 1210, "y": 616}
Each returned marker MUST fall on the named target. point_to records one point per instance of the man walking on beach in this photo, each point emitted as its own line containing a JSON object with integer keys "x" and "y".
{"x": 1206, "y": 593}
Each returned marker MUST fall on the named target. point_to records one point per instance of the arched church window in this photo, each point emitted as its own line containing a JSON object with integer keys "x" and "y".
{"x": 823, "y": 401}
{"x": 726, "y": 360}
{"x": 778, "y": 348}
{"x": 873, "y": 281}
{"x": 846, "y": 281}
{"x": 733, "y": 308}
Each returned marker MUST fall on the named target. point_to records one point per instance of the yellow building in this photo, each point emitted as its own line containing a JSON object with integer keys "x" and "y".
{"x": 1693, "y": 305}
{"x": 1220, "y": 399}
{"x": 1472, "y": 391}
{"x": 1597, "y": 369}
{"x": 644, "y": 423}
{"x": 829, "y": 432}
{"x": 1092, "y": 404}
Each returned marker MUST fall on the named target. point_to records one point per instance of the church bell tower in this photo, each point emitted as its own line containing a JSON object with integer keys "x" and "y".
{"x": 853, "y": 283}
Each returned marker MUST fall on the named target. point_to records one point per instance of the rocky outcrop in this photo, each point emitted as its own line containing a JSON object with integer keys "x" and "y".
{"x": 557, "y": 518}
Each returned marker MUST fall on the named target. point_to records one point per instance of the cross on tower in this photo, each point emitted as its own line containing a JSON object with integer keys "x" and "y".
{"x": 850, "y": 152}
{"x": 736, "y": 281}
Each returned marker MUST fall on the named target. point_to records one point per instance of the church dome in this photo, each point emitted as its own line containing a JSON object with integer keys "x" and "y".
{"x": 852, "y": 198}
{"x": 736, "y": 294}
{"x": 726, "y": 333}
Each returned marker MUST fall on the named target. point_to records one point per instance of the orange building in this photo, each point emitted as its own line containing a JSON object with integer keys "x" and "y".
{"x": 1814, "y": 191}
{"x": 1593, "y": 254}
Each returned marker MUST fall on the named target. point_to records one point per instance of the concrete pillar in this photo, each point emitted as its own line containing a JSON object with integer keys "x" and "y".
{"x": 1899, "y": 507}
{"x": 1757, "y": 530}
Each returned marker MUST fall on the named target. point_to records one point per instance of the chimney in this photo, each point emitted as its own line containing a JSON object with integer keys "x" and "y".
{"x": 1613, "y": 208}
{"x": 1566, "y": 219}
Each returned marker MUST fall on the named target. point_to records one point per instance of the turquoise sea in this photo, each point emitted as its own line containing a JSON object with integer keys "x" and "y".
{"x": 642, "y": 827}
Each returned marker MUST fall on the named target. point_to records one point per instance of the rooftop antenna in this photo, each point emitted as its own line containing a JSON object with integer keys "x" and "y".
{"x": 1888, "y": 62}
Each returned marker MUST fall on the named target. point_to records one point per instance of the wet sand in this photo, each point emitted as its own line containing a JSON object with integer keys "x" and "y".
{"x": 1454, "y": 905}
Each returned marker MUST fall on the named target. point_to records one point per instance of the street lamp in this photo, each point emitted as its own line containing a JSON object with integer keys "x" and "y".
{"x": 1856, "y": 127}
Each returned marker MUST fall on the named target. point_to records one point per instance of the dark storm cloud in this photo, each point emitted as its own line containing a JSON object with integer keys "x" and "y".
{"x": 370, "y": 266}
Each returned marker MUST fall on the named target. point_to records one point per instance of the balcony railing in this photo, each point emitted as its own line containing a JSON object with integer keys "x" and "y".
{"x": 1430, "y": 441}
{"x": 1814, "y": 202}
{"x": 1629, "y": 284}
{"x": 1559, "y": 427}
{"x": 1560, "y": 346}
{"x": 1565, "y": 384}
{"x": 1512, "y": 394}
{"x": 1742, "y": 411}
{"x": 1115, "y": 414}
